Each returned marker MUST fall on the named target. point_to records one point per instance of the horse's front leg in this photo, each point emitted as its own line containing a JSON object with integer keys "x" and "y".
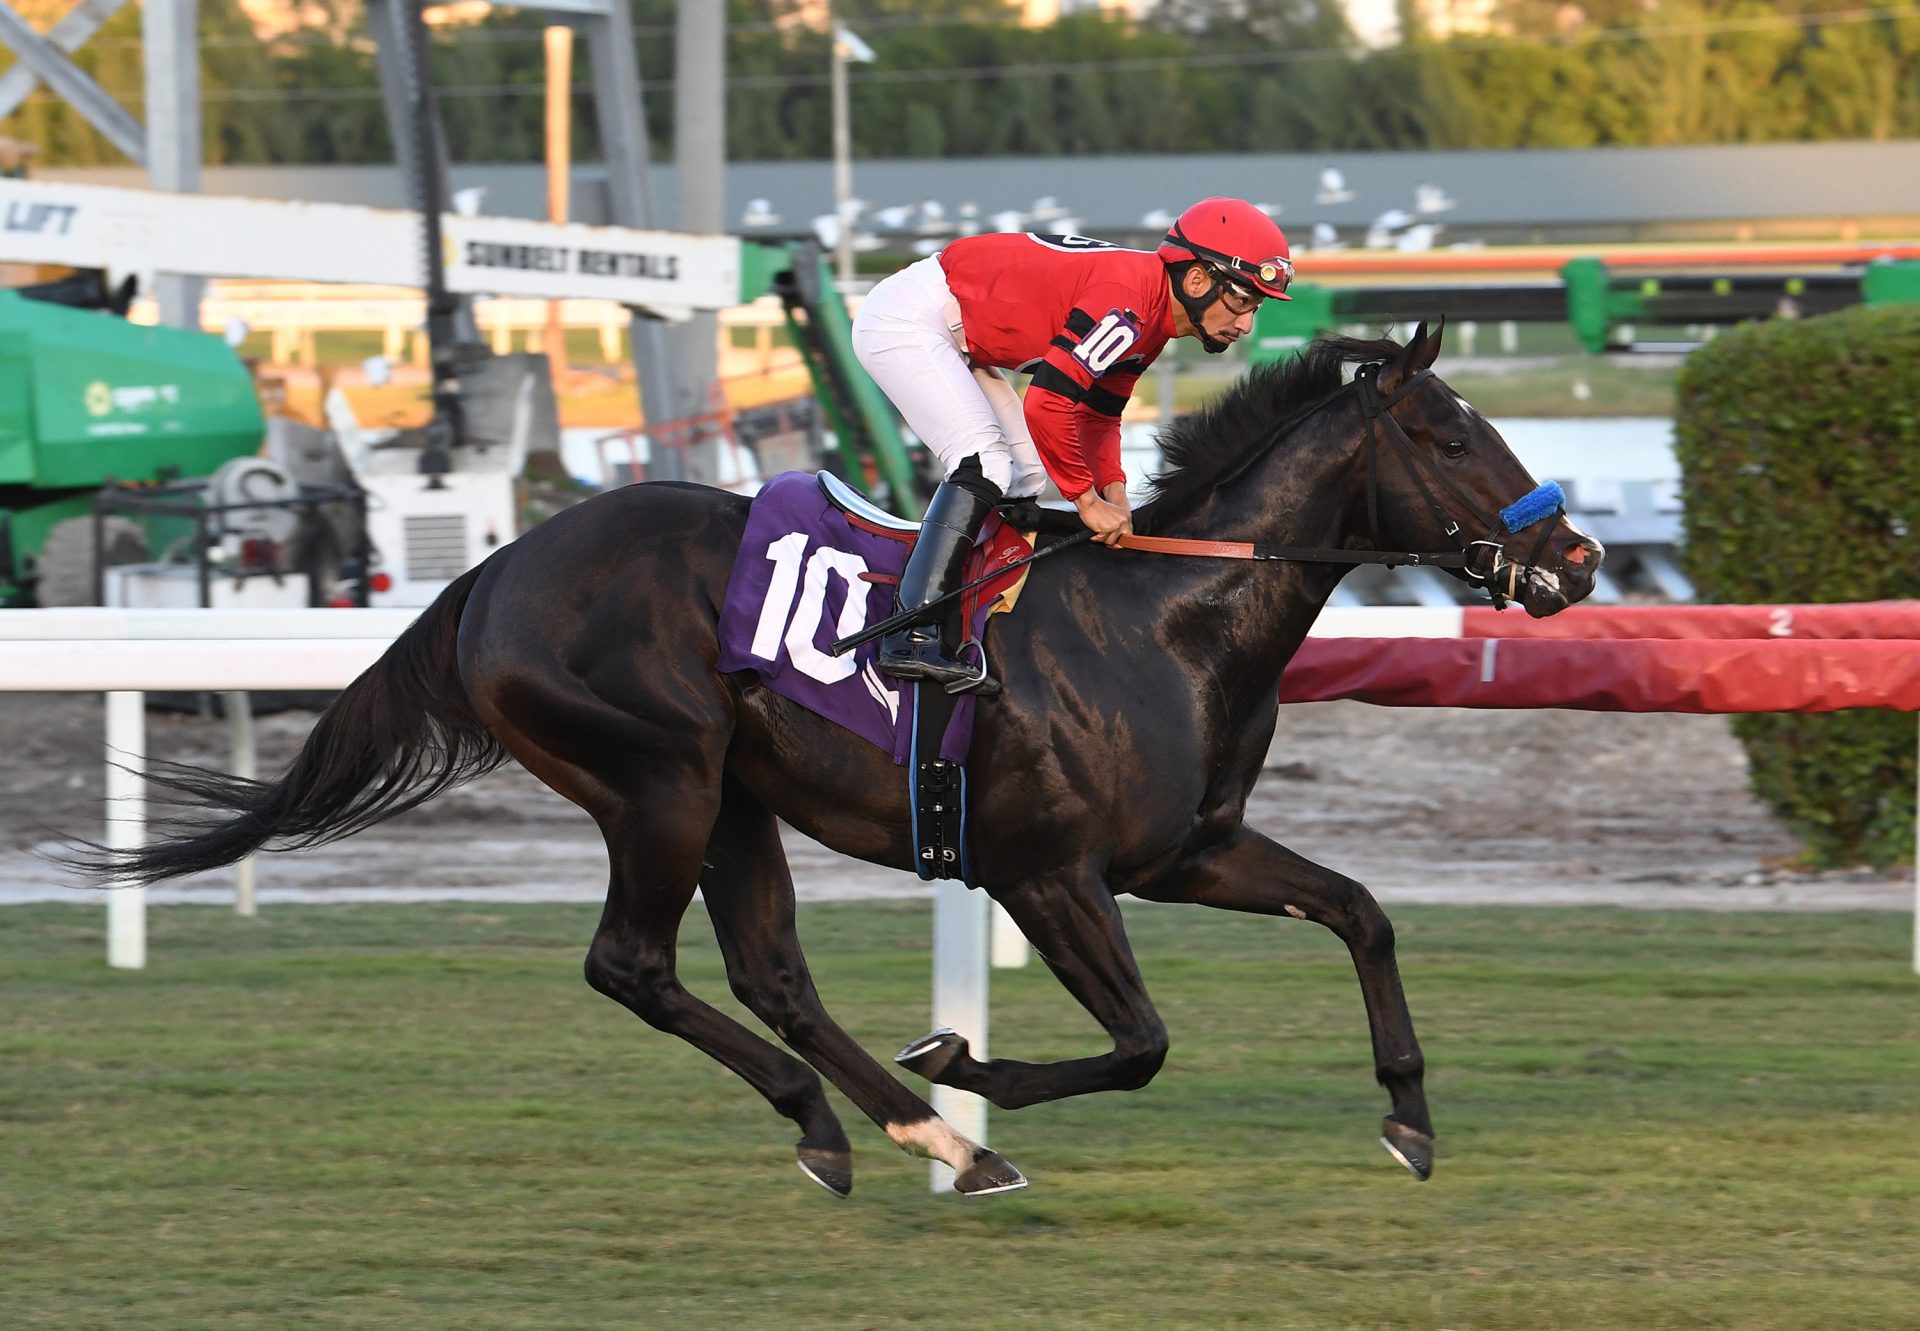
{"x": 1077, "y": 930}
{"x": 1251, "y": 873}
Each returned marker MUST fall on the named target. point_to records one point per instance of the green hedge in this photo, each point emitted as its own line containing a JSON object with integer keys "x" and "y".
{"x": 1799, "y": 445}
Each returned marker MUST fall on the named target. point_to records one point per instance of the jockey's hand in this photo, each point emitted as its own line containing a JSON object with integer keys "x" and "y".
{"x": 1108, "y": 518}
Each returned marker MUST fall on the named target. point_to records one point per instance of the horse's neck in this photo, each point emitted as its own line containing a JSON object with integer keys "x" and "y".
{"x": 1304, "y": 495}
{"x": 1306, "y": 492}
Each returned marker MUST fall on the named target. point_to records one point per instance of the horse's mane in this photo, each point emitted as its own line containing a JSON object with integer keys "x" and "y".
{"x": 1211, "y": 447}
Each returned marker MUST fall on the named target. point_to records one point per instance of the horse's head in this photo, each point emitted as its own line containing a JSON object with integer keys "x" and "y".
{"x": 1440, "y": 476}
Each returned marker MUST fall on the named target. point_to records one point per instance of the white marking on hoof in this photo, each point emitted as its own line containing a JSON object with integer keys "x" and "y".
{"x": 928, "y": 1041}
{"x": 932, "y": 1139}
{"x": 988, "y": 1192}
{"x": 1296, "y": 912}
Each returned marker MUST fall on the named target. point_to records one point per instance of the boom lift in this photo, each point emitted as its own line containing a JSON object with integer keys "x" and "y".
{"x": 84, "y": 397}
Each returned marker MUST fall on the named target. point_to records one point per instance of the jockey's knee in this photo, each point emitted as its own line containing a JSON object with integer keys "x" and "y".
{"x": 1027, "y": 481}
{"x": 992, "y": 464}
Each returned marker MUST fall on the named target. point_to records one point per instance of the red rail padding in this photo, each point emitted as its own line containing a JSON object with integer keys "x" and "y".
{"x": 1860, "y": 619}
{"x": 1775, "y": 675}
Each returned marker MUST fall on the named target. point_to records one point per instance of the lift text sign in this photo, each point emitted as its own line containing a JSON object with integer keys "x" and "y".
{"x": 143, "y": 232}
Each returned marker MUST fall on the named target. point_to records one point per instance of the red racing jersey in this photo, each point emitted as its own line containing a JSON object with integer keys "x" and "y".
{"x": 1084, "y": 318}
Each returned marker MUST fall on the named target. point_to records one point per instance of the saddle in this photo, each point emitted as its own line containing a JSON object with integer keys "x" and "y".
{"x": 819, "y": 562}
{"x": 1005, "y": 538}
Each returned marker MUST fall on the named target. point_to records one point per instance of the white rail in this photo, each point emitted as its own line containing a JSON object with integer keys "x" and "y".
{"x": 126, "y": 653}
{"x": 110, "y": 651}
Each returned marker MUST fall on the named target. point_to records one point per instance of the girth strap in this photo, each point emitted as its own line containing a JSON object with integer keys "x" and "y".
{"x": 937, "y": 789}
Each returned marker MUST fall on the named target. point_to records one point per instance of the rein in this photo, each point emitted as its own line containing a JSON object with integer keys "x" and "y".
{"x": 1299, "y": 554}
{"x": 1542, "y": 502}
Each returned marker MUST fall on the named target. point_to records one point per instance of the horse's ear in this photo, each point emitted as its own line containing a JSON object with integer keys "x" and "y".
{"x": 1425, "y": 347}
{"x": 1420, "y": 352}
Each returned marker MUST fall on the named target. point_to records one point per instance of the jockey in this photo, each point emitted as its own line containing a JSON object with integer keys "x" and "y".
{"x": 1085, "y": 319}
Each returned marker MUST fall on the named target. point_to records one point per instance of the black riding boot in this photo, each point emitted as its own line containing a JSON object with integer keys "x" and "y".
{"x": 933, "y": 569}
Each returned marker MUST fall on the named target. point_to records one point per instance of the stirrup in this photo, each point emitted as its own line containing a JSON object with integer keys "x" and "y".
{"x": 916, "y": 653}
{"x": 925, "y": 660}
{"x": 980, "y": 684}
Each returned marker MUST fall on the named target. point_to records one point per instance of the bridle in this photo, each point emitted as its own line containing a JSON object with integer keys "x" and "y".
{"x": 1539, "y": 505}
{"x": 1543, "y": 504}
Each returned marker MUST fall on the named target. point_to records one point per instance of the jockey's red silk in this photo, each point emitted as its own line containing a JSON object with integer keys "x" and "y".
{"x": 1084, "y": 318}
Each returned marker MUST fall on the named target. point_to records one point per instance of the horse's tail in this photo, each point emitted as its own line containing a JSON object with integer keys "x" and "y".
{"x": 401, "y": 733}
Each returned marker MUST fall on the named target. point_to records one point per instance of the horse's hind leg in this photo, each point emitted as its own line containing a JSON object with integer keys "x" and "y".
{"x": 1252, "y": 873}
{"x": 749, "y": 896}
{"x": 632, "y": 961}
{"x": 1078, "y": 932}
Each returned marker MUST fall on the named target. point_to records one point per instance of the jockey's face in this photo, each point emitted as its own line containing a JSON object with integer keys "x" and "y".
{"x": 1226, "y": 319}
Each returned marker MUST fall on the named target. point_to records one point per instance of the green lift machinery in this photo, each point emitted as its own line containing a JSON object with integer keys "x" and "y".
{"x": 869, "y": 452}
{"x": 87, "y": 398}
{"x": 1597, "y": 302}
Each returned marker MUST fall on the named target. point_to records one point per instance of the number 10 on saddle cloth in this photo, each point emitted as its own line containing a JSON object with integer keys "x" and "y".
{"x": 809, "y": 573}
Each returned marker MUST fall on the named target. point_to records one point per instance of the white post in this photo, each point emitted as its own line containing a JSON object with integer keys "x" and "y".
{"x": 842, "y": 160}
{"x": 1010, "y": 950}
{"x": 170, "y": 51}
{"x": 846, "y": 46}
{"x": 245, "y": 764}
{"x": 960, "y": 1002}
{"x": 126, "y": 824}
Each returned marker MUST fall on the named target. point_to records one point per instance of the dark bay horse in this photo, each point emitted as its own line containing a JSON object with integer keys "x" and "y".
{"x": 1139, "y": 702}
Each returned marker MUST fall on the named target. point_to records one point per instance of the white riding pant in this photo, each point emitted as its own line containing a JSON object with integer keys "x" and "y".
{"x": 909, "y": 337}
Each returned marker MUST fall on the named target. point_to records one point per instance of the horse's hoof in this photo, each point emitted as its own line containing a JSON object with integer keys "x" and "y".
{"x": 1410, "y": 1148}
{"x": 832, "y": 1170}
{"x": 988, "y": 1173}
{"x": 933, "y": 1053}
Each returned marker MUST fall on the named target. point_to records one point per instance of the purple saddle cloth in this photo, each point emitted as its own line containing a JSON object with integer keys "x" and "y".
{"x": 806, "y": 575}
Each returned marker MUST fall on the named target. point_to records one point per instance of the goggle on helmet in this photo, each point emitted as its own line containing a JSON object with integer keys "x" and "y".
{"x": 1237, "y": 238}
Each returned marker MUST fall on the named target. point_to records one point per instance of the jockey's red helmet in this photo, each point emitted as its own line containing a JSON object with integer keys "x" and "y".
{"x": 1237, "y": 238}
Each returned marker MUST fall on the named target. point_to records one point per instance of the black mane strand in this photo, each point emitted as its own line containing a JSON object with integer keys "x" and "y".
{"x": 1205, "y": 450}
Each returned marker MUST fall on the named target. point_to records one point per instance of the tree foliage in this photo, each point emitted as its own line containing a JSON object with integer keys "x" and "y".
{"x": 964, "y": 78}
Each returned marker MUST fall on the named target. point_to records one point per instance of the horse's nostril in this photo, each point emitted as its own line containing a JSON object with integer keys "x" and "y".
{"x": 1577, "y": 553}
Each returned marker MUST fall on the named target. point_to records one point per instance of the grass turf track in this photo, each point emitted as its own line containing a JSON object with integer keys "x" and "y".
{"x": 420, "y": 1117}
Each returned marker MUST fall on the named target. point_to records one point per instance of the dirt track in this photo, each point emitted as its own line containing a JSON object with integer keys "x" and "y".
{"x": 1541, "y": 807}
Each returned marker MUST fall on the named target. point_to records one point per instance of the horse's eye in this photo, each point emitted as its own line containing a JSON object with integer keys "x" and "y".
{"x": 1454, "y": 448}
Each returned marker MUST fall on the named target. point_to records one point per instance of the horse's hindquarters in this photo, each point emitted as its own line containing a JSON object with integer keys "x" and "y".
{"x": 589, "y": 642}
